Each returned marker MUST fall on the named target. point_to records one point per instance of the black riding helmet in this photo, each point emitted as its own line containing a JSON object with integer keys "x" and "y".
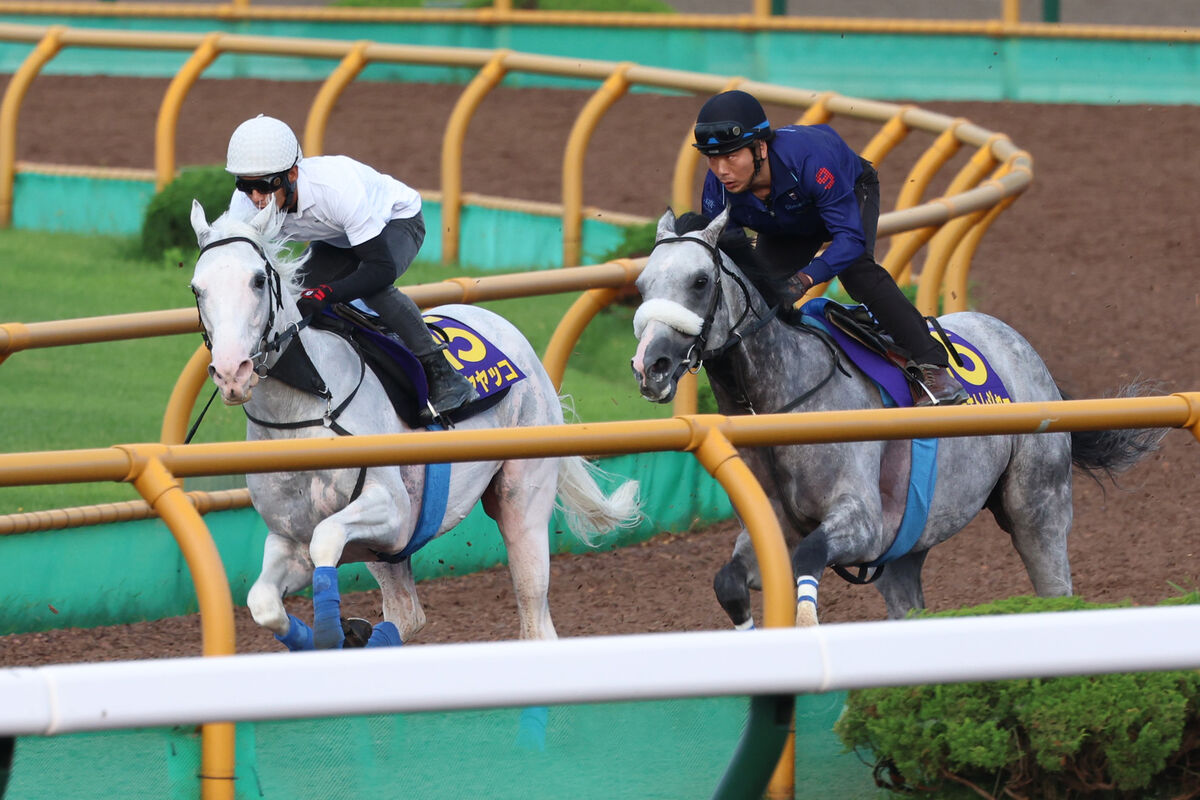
{"x": 730, "y": 121}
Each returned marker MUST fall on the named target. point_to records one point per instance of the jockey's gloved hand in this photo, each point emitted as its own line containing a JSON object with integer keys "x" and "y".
{"x": 796, "y": 286}
{"x": 313, "y": 301}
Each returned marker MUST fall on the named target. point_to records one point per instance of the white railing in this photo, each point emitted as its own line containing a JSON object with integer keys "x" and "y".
{"x": 110, "y": 696}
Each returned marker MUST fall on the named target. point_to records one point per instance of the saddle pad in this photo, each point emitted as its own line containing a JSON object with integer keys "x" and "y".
{"x": 982, "y": 384}
{"x": 402, "y": 375}
{"x": 475, "y": 358}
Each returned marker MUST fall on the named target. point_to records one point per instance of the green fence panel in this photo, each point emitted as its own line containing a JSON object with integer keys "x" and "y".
{"x": 492, "y": 238}
{"x": 134, "y": 571}
{"x": 665, "y": 749}
{"x": 879, "y": 65}
{"x": 73, "y": 204}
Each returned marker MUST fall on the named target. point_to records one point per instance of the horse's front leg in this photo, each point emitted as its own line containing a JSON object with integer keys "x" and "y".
{"x": 373, "y": 516}
{"x": 733, "y": 582}
{"x": 851, "y": 533}
{"x": 285, "y": 569}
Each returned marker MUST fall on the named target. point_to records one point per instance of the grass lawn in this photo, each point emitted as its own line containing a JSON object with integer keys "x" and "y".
{"x": 99, "y": 395}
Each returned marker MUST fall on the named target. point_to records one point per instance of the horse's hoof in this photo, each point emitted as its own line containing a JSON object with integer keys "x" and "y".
{"x": 357, "y": 632}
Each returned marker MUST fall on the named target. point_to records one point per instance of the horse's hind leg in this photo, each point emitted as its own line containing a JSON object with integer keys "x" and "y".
{"x": 900, "y": 584}
{"x": 521, "y": 500}
{"x": 1033, "y": 503}
{"x": 401, "y": 606}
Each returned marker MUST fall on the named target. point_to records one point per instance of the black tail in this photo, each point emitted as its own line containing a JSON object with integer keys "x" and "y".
{"x": 1113, "y": 451}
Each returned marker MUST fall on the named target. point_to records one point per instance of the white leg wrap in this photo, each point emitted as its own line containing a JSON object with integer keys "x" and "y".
{"x": 806, "y": 601}
{"x": 748, "y": 625}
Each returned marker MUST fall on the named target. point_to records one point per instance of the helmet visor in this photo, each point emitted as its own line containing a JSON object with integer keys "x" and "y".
{"x": 725, "y": 136}
{"x": 266, "y": 185}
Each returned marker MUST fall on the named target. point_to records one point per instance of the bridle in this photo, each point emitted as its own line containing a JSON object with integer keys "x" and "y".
{"x": 698, "y": 353}
{"x": 278, "y": 343}
{"x": 266, "y": 345}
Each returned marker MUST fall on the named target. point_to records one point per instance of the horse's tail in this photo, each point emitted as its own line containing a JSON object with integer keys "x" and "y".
{"x": 588, "y": 510}
{"x": 1113, "y": 451}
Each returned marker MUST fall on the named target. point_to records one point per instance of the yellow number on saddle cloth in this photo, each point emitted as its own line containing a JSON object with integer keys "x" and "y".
{"x": 475, "y": 358}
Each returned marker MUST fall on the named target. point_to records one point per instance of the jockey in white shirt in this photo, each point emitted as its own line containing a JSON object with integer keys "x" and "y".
{"x": 364, "y": 229}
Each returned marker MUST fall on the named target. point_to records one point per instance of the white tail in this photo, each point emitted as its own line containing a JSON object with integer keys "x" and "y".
{"x": 588, "y": 510}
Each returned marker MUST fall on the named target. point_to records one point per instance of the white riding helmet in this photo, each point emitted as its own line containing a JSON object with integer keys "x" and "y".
{"x": 262, "y": 146}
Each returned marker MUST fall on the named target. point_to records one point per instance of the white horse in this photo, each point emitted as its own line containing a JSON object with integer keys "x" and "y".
{"x": 244, "y": 284}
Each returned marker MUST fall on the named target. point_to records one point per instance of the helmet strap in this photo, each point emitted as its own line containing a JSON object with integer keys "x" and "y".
{"x": 758, "y": 160}
{"x": 289, "y": 193}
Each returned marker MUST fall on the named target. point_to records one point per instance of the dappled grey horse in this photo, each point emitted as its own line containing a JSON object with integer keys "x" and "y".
{"x": 841, "y": 504}
{"x": 244, "y": 284}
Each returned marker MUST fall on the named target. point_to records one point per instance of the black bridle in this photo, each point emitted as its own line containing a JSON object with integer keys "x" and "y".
{"x": 698, "y": 353}
{"x": 279, "y": 343}
{"x": 266, "y": 345}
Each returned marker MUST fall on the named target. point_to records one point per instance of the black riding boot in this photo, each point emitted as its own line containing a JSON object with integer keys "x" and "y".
{"x": 448, "y": 390}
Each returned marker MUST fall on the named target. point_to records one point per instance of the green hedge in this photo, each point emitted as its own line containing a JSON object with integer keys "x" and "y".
{"x": 1115, "y": 737}
{"x": 167, "y": 227}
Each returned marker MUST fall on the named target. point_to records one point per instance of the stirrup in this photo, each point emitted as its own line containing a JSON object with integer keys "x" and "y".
{"x": 429, "y": 416}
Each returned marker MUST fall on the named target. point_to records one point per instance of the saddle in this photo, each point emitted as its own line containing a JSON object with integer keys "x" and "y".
{"x": 856, "y": 324}
{"x": 395, "y": 366}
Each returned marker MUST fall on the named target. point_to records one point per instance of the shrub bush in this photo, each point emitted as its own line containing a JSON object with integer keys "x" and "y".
{"x": 1105, "y": 736}
{"x": 166, "y": 228}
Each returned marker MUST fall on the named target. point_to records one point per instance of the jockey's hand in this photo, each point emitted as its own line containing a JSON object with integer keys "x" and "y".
{"x": 796, "y": 286}
{"x": 313, "y": 301}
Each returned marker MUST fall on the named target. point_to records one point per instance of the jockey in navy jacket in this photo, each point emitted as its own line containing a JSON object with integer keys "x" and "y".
{"x": 799, "y": 187}
{"x": 800, "y": 156}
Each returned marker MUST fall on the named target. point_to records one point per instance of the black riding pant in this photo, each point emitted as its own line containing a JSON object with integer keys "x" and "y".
{"x": 866, "y": 281}
{"x": 396, "y": 310}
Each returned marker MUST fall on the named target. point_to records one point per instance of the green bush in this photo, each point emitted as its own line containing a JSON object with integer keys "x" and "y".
{"x": 1117, "y": 737}
{"x": 166, "y": 229}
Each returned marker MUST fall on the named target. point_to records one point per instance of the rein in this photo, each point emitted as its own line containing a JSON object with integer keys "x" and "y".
{"x": 697, "y": 355}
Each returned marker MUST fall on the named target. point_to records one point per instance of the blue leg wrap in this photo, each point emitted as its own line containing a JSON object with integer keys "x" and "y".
{"x": 384, "y": 635}
{"x": 299, "y": 636}
{"x": 327, "y": 605}
{"x": 531, "y": 734}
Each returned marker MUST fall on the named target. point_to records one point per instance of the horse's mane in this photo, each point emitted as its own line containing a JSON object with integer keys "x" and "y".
{"x": 274, "y": 245}
{"x": 733, "y": 241}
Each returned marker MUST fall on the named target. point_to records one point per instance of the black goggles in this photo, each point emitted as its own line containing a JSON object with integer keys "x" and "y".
{"x": 726, "y": 132}
{"x": 267, "y": 185}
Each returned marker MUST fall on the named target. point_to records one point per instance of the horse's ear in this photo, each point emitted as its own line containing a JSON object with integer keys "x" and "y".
{"x": 199, "y": 222}
{"x": 666, "y": 225}
{"x": 713, "y": 231}
{"x": 267, "y": 221}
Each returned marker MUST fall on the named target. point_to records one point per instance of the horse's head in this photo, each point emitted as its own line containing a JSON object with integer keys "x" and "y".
{"x": 239, "y": 295}
{"x": 692, "y": 300}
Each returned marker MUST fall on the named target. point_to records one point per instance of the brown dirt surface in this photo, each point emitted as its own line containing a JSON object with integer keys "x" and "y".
{"x": 1092, "y": 265}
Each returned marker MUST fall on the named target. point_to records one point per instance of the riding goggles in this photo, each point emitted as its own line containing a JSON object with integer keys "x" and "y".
{"x": 268, "y": 185}
{"x": 725, "y": 136}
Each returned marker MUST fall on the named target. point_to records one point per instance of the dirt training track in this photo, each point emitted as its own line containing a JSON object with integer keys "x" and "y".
{"x": 1095, "y": 265}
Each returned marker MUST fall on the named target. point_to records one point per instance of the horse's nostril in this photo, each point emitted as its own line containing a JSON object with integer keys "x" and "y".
{"x": 660, "y": 368}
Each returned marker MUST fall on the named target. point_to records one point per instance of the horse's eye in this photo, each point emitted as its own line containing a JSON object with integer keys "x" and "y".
{"x": 700, "y": 282}
{"x": 195, "y": 291}
{"x": 260, "y": 281}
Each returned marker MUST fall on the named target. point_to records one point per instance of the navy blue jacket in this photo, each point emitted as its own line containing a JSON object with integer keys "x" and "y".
{"x": 813, "y": 172}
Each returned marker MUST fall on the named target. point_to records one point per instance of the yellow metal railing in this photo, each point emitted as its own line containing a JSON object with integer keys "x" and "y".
{"x": 896, "y": 122}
